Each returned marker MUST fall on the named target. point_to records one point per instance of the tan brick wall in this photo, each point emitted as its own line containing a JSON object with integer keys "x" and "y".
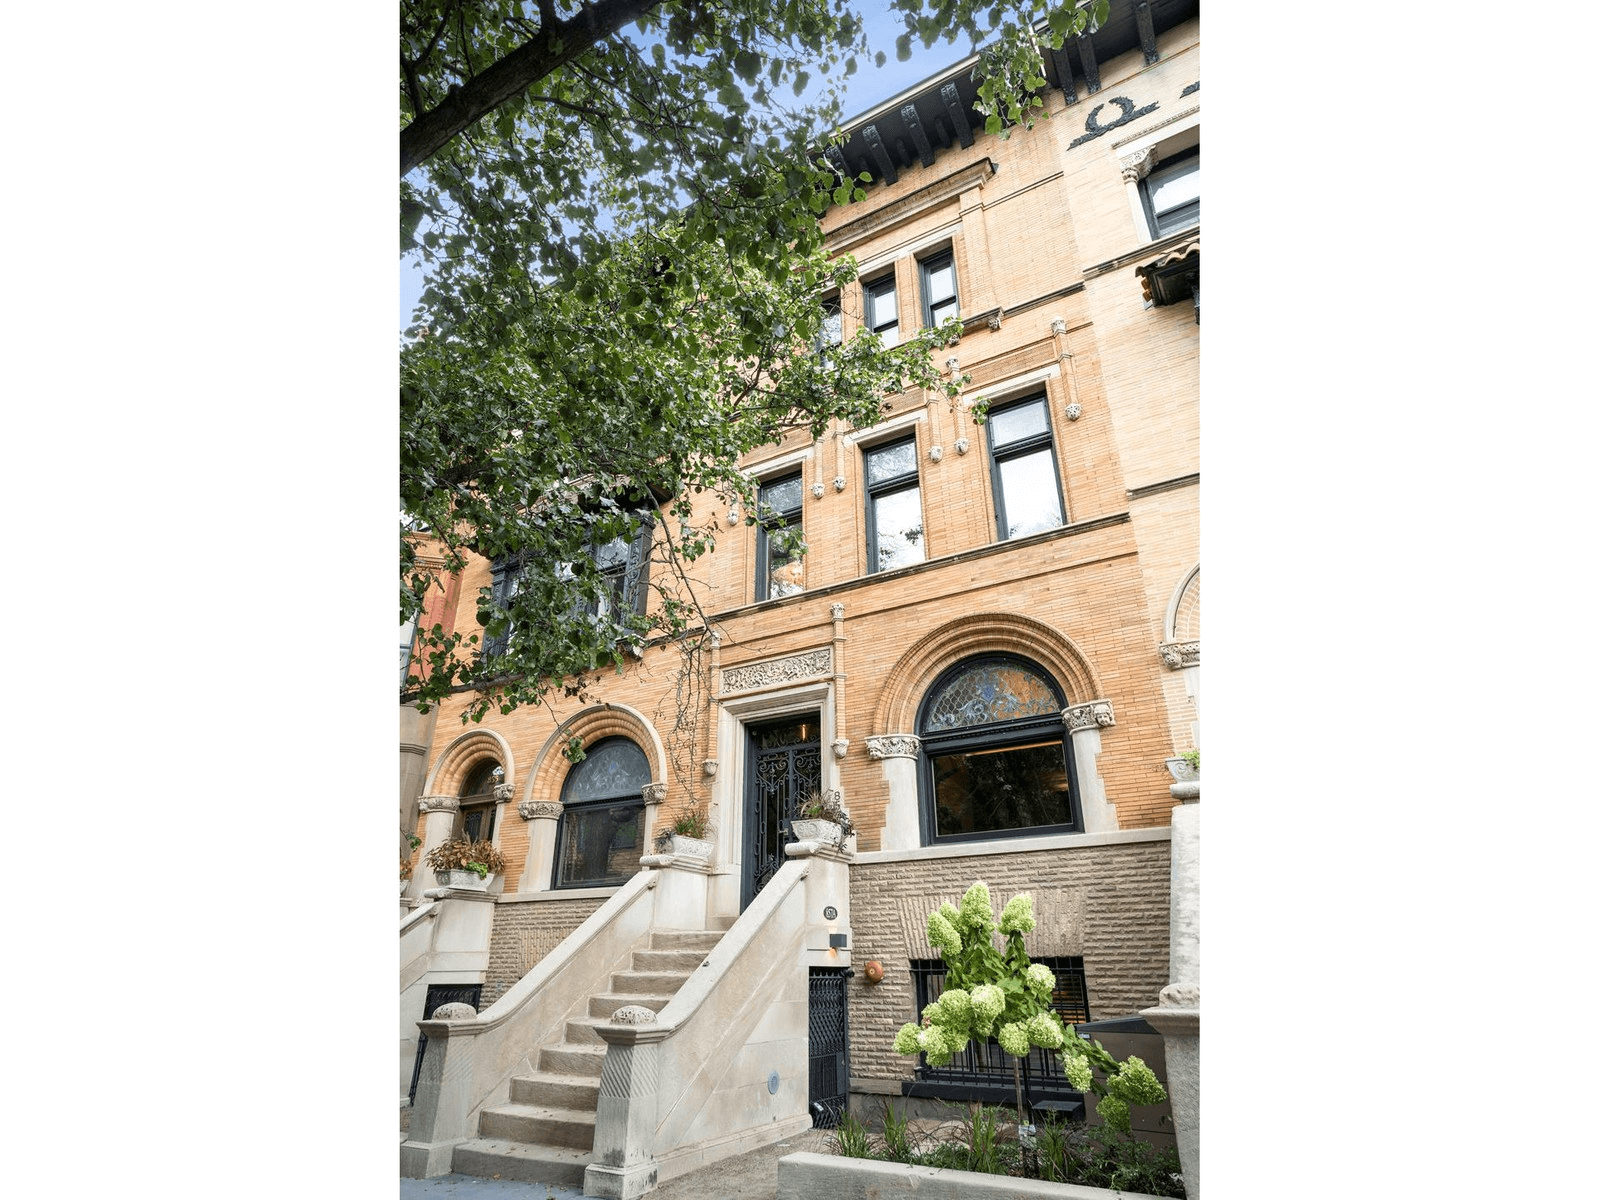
{"x": 524, "y": 933}
{"x": 1108, "y": 903}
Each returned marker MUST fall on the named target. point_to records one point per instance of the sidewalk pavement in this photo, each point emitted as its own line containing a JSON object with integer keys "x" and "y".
{"x": 751, "y": 1176}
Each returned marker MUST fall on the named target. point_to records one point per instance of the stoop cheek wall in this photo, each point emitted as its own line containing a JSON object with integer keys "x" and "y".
{"x": 1108, "y": 902}
{"x": 527, "y": 930}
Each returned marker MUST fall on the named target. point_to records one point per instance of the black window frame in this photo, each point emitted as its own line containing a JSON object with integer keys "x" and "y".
{"x": 903, "y": 482}
{"x": 1181, "y": 216}
{"x": 1019, "y": 449}
{"x": 630, "y": 799}
{"x": 927, "y": 266}
{"x": 769, "y": 518}
{"x": 478, "y": 799}
{"x": 998, "y": 735}
{"x": 870, "y": 291}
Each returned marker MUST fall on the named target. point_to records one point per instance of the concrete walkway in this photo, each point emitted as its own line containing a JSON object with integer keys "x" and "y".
{"x": 752, "y": 1176}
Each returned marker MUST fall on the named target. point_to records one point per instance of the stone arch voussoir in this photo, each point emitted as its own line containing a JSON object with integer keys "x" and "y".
{"x": 980, "y": 633}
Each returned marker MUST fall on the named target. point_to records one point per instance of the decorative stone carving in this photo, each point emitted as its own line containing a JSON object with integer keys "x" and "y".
{"x": 838, "y": 483}
{"x": 503, "y": 792}
{"x": 840, "y": 747}
{"x": 733, "y": 514}
{"x": 1180, "y": 995}
{"x": 994, "y": 320}
{"x": 1096, "y": 714}
{"x": 710, "y": 768}
{"x": 447, "y": 804}
{"x": 1074, "y": 411}
{"x": 633, "y": 1014}
{"x": 653, "y": 793}
{"x": 1058, "y": 326}
{"x": 454, "y": 1012}
{"x": 1178, "y": 655}
{"x": 935, "y": 453}
{"x": 962, "y": 445}
{"x": 816, "y": 491}
{"x": 778, "y": 670}
{"x": 836, "y": 610}
{"x": 952, "y": 364}
{"x": 894, "y": 745}
{"x": 529, "y": 810}
{"x": 1137, "y": 165}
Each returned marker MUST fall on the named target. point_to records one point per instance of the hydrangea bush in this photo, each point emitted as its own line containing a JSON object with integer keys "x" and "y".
{"x": 1001, "y": 994}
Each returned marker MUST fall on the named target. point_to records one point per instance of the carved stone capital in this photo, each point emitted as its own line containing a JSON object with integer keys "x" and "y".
{"x": 530, "y": 810}
{"x": 503, "y": 792}
{"x": 894, "y": 745}
{"x": 1178, "y": 655}
{"x": 1058, "y": 326}
{"x": 778, "y": 670}
{"x": 1096, "y": 714}
{"x": 841, "y": 747}
{"x": 447, "y": 804}
{"x": 952, "y": 364}
{"x": 653, "y": 793}
{"x": 836, "y": 611}
{"x": 1137, "y": 165}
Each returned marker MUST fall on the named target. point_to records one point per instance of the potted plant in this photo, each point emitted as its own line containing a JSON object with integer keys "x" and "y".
{"x": 1185, "y": 767}
{"x": 466, "y": 864}
{"x": 689, "y": 835}
{"x": 822, "y": 818}
{"x": 405, "y": 861}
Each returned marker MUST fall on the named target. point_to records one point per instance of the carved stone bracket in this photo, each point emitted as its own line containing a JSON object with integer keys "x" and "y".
{"x": 836, "y": 611}
{"x": 447, "y": 804}
{"x": 841, "y": 747}
{"x": 1137, "y": 165}
{"x": 778, "y": 670}
{"x": 894, "y": 745}
{"x": 962, "y": 445}
{"x": 1178, "y": 655}
{"x": 530, "y": 810}
{"x": 710, "y": 768}
{"x": 653, "y": 793}
{"x": 503, "y": 792}
{"x": 1096, "y": 714}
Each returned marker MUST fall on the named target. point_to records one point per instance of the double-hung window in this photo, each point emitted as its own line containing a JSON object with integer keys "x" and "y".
{"x": 883, "y": 309}
{"x": 1022, "y": 467}
{"x": 478, "y": 802}
{"x": 939, "y": 299}
{"x": 1171, "y": 193}
{"x": 779, "y": 563}
{"x": 894, "y": 507}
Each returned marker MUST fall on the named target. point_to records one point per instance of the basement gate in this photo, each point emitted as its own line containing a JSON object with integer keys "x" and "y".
{"x": 829, "y": 1091}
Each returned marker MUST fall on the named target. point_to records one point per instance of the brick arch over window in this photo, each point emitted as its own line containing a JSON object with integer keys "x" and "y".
{"x": 550, "y": 766}
{"x": 979, "y": 633}
{"x": 1183, "y": 611}
{"x": 451, "y": 768}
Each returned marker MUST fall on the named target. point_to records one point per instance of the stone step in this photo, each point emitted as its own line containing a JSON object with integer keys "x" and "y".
{"x": 685, "y": 939}
{"x": 585, "y": 1031}
{"x": 538, "y": 1124}
{"x": 648, "y": 983}
{"x": 572, "y": 1060}
{"x": 488, "y": 1157}
{"x": 675, "y": 961}
{"x": 551, "y": 1090}
{"x": 607, "y": 1003}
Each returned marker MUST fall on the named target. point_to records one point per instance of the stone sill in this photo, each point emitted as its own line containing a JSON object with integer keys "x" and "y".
{"x": 601, "y": 893}
{"x": 1059, "y": 841}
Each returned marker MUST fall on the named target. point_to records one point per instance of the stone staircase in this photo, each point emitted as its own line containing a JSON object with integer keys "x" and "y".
{"x": 546, "y": 1133}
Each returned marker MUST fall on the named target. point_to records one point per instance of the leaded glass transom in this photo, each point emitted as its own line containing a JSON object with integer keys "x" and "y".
{"x": 613, "y": 769}
{"x": 988, "y": 691}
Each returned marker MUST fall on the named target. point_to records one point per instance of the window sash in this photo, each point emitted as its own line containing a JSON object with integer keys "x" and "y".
{"x": 1171, "y": 193}
{"x": 1023, "y": 474}
{"x": 939, "y": 293}
{"x": 770, "y": 585}
{"x": 598, "y": 844}
{"x": 883, "y": 310}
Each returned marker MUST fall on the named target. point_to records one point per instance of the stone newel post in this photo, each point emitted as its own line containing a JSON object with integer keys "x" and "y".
{"x": 625, "y": 1117}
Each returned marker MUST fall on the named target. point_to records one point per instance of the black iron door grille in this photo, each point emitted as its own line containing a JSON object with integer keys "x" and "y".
{"x": 829, "y": 1089}
{"x": 785, "y": 767}
{"x": 439, "y": 994}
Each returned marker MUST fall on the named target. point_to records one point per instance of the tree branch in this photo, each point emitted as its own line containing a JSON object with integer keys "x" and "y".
{"x": 530, "y": 62}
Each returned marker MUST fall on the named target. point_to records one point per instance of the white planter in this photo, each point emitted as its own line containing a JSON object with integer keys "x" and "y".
{"x": 808, "y": 829}
{"x": 688, "y": 847}
{"x": 1181, "y": 771}
{"x": 463, "y": 879}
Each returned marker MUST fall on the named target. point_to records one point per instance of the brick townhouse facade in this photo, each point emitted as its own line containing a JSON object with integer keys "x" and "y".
{"x": 990, "y": 645}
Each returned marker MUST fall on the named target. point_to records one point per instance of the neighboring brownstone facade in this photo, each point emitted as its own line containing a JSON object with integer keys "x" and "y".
{"x": 1054, "y": 254}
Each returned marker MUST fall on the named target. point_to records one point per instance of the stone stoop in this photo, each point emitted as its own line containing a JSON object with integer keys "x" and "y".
{"x": 546, "y": 1133}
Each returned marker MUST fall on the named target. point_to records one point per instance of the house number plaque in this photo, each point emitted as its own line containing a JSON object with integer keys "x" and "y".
{"x": 830, "y": 913}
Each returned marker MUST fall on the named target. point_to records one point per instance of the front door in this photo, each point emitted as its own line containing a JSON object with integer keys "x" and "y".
{"x": 784, "y": 767}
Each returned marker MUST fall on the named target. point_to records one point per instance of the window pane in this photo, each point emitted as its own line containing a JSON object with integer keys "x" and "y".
{"x": 884, "y": 310}
{"x": 782, "y": 496}
{"x": 943, "y": 309}
{"x": 613, "y": 555}
{"x": 887, "y": 462}
{"x": 1018, "y": 421}
{"x": 600, "y": 844}
{"x": 832, "y": 324}
{"x": 1178, "y": 185}
{"x": 942, "y": 282}
{"x": 987, "y": 692}
{"x": 897, "y": 520}
{"x": 614, "y": 768}
{"x": 1017, "y": 788}
{"x": 1029, "y": 486}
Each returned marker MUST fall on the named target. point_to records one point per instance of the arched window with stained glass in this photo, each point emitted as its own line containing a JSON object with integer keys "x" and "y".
{"x": 599, "y": 837}
{"x": 995, "y": 761}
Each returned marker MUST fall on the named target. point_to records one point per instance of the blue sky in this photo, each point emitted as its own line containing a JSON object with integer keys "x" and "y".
{"x": 869, "y": 86}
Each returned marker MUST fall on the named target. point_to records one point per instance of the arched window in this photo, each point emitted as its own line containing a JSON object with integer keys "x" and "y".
{"x": 995, "y": 761}
{"x": 478, "y": 801}
{"x": 599, "y": 837}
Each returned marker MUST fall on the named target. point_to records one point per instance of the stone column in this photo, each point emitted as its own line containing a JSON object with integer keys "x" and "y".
{"x": 537, "y": 870}
{"x": 440, "y": 813}
{"x": 1084, "y": 723}
{"x": 902, "y": 821}
{"x": 624, "y": 1163}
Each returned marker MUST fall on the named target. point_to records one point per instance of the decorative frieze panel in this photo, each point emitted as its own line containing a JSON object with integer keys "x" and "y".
{"x": 894, "y": 745}
{"x": 530, "y": 810}
{"x": 1178, "y": 655}
{"x": 430, "y": 804}
{"x": 1096, "y": 714}
{"x": 809, "y": 665}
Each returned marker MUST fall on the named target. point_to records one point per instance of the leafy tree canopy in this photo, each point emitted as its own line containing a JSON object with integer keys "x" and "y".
{"x": 616, "y": 205}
